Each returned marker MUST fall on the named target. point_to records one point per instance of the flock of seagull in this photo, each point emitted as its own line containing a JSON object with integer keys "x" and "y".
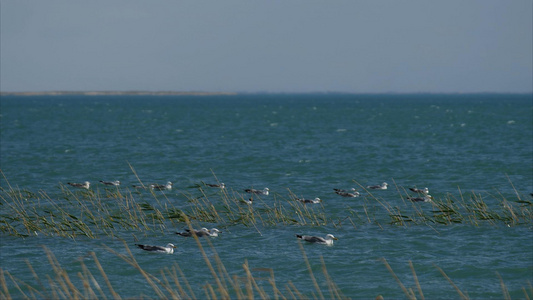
{"x": 423, "y": 196}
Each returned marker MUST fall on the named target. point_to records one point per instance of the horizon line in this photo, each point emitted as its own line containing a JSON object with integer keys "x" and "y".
{"x": 205, "y": 93}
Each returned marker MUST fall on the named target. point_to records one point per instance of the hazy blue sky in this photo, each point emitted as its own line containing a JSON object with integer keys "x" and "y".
{"x": 267, "y": 46}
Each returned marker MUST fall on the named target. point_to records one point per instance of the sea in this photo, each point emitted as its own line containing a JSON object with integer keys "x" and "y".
{"x": 460, "y": 146}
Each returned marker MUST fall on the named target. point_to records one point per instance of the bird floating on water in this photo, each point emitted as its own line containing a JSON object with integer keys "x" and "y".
{"x": 345, "y": 191}
{"x": 161, "y": 187}
{"x": 216, "y": 185}
{"x": 113, "y": 183}
{"x": 168, "y": 249}
{"x": 258, "y": 192}
{"x": 382, "y": 186}
{"x": 420, "y": 191}
{"x": 84, "y": 185}
{"x": 426, "y": 198}
{"x": 317, "y": 239}
{"x": 213, "y": 232}
{"x": 314, "y": 201}
{"x": 348, "y": 194}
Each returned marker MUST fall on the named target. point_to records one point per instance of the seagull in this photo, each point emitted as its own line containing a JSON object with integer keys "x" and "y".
{"x": 345, "y": 191}
{"x": 382, "y": 186}
{"x": 249, "y": 201}
{"x": 420, "y": 191}
{"x": 426, "y": 198}
{"x": 114, "y": 183}
{"x": 258, "y": 192}
{"x": 214, "y": 232}
{"x": 316, "y": 239}
{"x": 161, "y": 187}
{"x": 347, "y": 194}
{"x": 221, "y": 185}
{"x": 168, "y": 249}
{"x": 84, "y": 185}
{"x": 199, "y": 233}
{"x": 314, "y": 201}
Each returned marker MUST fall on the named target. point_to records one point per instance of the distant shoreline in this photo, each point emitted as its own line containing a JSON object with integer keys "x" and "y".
{"x": 114, "y": 93}
{"x": 192, "y": 93}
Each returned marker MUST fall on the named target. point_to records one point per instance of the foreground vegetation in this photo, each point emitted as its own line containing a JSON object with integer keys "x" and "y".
{"x": 171, "y": 283}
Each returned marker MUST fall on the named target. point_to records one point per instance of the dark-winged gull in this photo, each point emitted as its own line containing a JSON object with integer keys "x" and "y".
{"x": 317, "y": 239}
{"x": 258, "y": 192}
{"x": 216, "y": 185}
{"x": 382, "y": 186}
{"x": 420, "y": 191}
{"x": 84, "y": 185}
{"x": 345, "y": 191}
{"x": 168, "y": 249}
{"x": 161, "y": 187}
{"x": 113, "y": 183}
{"x": 213, "y": 232}
{"x": 426, "y": 198}
{"x": 314, "y": 201}
{"x": 348, "y": 194}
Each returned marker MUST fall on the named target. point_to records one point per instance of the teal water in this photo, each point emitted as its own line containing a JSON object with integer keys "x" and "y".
{"x": 308, "y": 144}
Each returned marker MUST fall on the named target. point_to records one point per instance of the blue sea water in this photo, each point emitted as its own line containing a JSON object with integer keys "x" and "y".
{"x": 303, "y": 145}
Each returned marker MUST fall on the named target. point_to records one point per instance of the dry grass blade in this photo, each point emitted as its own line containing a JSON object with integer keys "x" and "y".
{"x": 109, "y": 286}
{"x": 505, "y": 291}
{"x": 405, "y": 291}
{"x": 463, "y": 296}
{"x": 132, "y": 261}
{"x": 416, "y": 280}
{"x": 5, "y": 291}
{"x": 315, "y": 283}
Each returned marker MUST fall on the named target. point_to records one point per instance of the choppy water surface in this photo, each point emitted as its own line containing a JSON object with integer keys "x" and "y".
{"x": 303, "y": 145}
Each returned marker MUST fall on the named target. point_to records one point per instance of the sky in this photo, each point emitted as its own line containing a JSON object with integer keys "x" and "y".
{"x": 353, "y": 46}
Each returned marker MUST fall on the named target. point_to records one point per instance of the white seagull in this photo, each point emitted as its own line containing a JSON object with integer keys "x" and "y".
{"x": 258, "y": 192}
{"x": 84, "y": 185}
{"x": 318, "y": 240}
{"x": 161, "y": 187}
{"x": 426, "y": 198}
{"x": 114, "y": 183}
{"x": 168, "y": 249}
{"x": 314, "y": 201}
{"x": 420, "y": 191}
{"x": 213, "y": 232}
{"x": 382, "y": 186}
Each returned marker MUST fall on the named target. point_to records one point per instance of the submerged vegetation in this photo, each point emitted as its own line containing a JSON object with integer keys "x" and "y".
{"x": 110, "y": 211}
